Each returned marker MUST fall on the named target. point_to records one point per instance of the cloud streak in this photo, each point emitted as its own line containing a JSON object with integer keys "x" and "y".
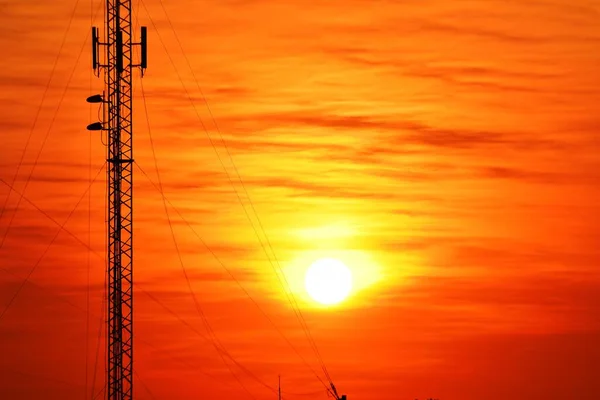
{"x": 453, "y": 144}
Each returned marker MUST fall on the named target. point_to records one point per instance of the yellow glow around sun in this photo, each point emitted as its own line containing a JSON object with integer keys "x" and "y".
{"x": 365, "y": 273}
{"x": 328, "y": 281}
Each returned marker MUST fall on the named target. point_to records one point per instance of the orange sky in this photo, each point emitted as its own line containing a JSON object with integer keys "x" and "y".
{"x": 446, "y": 150}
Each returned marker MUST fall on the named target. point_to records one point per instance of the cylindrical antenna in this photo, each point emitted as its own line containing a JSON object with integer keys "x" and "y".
{"x": 94, "y": 48}
{"x": 144, "y": 45}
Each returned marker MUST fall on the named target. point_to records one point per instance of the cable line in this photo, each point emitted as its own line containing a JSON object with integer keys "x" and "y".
{"x": 47, "y": 132}
{"x": 39, "y": 109}
{"x": 290, "y": 297}
{"x": 199, "y": 310}
{"x": 148, "y": 294}
{"x": 14, "y": 297}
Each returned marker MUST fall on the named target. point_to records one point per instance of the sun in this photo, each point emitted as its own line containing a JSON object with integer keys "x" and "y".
{"x": 328, "y": 281}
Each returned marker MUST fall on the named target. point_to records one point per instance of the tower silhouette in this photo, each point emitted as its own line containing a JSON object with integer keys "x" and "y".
{"x": 116, "y": 103}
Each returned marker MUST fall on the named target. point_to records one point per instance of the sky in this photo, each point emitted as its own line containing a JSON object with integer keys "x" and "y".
{"x": 445, "y": 150}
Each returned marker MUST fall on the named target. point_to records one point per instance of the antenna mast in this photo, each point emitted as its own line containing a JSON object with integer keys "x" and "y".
{"x": 117, "y": 114}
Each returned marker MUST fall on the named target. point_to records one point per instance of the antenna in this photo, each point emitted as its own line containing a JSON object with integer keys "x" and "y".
{"x": 144, "y": 46}
{"x": 94, "y": 48}
{"x": 117, "y": 115}
{"x": 335, "y": 393}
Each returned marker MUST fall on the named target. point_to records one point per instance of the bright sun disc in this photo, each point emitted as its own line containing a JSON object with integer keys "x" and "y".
{"x": 328, "y": 281}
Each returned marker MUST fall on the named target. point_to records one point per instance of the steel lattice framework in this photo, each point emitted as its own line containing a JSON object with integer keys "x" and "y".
{"x": 120, "y": 201}
{"x": 117, "y": 112}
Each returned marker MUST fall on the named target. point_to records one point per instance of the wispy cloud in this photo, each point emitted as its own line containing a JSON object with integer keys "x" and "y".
{"x": 453, "y": 143}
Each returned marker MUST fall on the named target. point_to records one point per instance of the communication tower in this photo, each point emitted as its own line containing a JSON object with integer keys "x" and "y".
{"x": 116, "y": 104}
